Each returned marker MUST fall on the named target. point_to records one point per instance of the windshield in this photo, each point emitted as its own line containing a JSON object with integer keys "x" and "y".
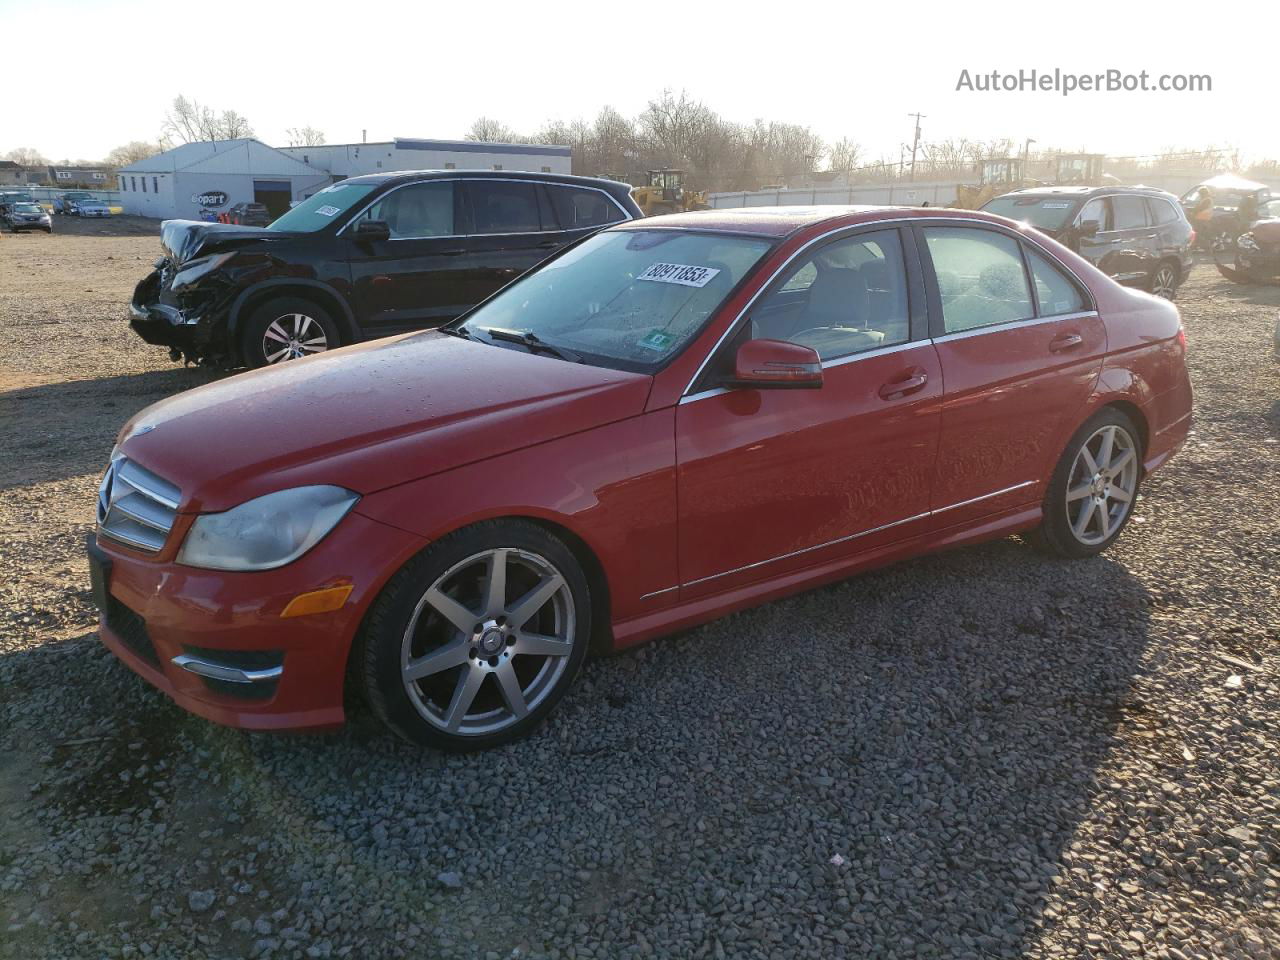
{"x": 629, "y": 299}
{"x": 319, "y": 210}
{"x": 26, "y": 208}
{"x": 1269, "y": 209}
{"x": 1044, "y": 213}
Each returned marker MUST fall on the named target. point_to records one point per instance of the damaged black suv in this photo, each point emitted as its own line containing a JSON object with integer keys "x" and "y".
{"x": 366, "y": 257}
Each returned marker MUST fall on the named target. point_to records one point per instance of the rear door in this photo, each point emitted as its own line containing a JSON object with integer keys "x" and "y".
{"x": 510, "y": 228}
{"x": 1133, "y": 237}
{"x": 1020, "y": 347}
{"x": 410, "y": 280}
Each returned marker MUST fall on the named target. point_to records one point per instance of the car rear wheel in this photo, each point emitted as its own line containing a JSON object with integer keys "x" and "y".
{"x": 287, "y": 328}
{"x": 475, "y": 640}
{"x": 1093, "y": 488}
{"x": 1164, "y": 281}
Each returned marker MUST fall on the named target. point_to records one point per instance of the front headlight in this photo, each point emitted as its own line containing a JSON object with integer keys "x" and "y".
{"x": 267, "y": 532}
{"x": 1246, "y": 242}
{"x": 193, "y": 271}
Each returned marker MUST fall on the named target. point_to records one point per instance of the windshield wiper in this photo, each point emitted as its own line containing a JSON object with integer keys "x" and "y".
{"x": 462, "y": 332}
{"x": 532, "y": 341}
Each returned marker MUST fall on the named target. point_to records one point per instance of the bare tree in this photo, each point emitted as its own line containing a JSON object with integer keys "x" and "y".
{"x": 27, "y": 157}
{"x": 189, "y": 121}
{"x": 488, "y": 130}
{"x": 304, "y": 137}
{"x": 132, "y": 152}
{"x": 843, "y": 155}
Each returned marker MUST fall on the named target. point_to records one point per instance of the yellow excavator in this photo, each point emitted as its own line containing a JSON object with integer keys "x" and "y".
{"x": 665, "y": 193}
{"x": 997, "y": 176}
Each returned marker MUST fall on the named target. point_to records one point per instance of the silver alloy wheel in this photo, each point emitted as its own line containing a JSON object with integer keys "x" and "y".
{"x": 503, "y": 613}
{"x": 1102, "y": 485}
{"x": 292, "y": 336}
{"x": 1165, "y": 283}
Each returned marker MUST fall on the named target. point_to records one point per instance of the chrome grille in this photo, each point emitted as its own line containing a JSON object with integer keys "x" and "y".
{"x": 135, "y": 506}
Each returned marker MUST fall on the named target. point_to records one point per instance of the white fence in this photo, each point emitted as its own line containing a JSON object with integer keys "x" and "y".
{"x": 937, "y": 193}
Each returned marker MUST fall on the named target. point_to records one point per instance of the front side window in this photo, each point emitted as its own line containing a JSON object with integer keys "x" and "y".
{"x": 981, "y": 280}
{"x": 416, "y": 211}
{"x": 1130, "y": 213}
{"x": 629, "y": 299}
{"x": 504, "y": 207}
{"x": 577, "y": 208}
{"x": 1056, "y": 293}
{"x": 847, "y": 297}
{"x": 322, "y": 208}
{"x": 1099, "y": 211}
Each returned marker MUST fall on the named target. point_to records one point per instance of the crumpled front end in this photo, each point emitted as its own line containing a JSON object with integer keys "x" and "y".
{"x": 190, "y": 326}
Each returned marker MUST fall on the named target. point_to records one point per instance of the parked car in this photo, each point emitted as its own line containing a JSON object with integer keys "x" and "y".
{"x": 363, "y": 258}
{"x": 676, "y": 418}
{"x": 90, "y": 208}
{"x": 1137, "y": 235}
{"x": 248, "y": 214}
{"x": 1221, "y": 208}
{"x": 66, "y": 203}
{"x": 20, "y": 217}
{"x": 10, "y": 197}
{"x": 1254, "y": 256}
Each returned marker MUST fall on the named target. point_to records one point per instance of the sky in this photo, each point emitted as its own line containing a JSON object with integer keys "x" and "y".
{"x": 428, "y": 70}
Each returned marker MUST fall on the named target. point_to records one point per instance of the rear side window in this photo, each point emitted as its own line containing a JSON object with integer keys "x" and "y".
{"x": 577, "y": 208}
{"x": 981, "y": 280}
{"x": 1056, "y": 293}
{"x": 1130, "y": 212}
{"x": 504, "y": 207}
{"x": 1162, "y": 211}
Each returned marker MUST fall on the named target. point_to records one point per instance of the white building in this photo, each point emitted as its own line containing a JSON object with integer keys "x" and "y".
{"x": 344, "y": 160}
{"x": 181, "y": 183}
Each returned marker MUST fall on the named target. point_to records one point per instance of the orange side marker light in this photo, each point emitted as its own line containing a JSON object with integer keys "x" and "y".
{"x": 318, "y": 601}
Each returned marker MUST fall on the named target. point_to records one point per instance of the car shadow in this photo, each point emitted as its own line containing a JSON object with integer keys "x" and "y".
{"x": 52, "y": 431}
{"x": 1263, "y": 294}
{"x": 904, "y": 756}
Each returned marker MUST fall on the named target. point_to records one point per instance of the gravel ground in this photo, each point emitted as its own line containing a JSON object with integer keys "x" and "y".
{"x": 981, "y": 754}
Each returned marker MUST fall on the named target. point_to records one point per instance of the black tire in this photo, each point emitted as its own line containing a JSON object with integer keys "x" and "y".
{"x": 1235, "y": 276}
{"x": 253, "y": 335}
{"x": 1056, "y": 535}
{"x": 402, "y": 627}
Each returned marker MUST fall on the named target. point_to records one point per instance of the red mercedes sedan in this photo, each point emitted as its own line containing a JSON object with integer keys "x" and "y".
{"x": 676, "y": 418}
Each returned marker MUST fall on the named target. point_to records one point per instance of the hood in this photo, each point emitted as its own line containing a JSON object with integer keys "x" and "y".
{"x": 1266, "y": 231}
{"x": 370, "y": 417}
{"x": 185, "y": 240}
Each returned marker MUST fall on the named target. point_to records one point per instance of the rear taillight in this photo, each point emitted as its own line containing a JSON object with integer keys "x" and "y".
{"x": 1182, "y": 337}
{"x": 1192, "y": 241}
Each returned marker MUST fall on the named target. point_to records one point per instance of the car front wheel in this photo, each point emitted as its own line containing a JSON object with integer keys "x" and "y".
{"x": 475, "y": 640}
{"x": 1093, "y": 489}
{"x": 286, "y": 328}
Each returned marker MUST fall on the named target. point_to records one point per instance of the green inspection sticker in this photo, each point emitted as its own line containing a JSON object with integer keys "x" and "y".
{"x": 657, "y": 340}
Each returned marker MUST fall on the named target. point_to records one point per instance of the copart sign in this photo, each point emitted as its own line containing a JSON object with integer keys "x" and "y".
{"x": 210, "y": 198}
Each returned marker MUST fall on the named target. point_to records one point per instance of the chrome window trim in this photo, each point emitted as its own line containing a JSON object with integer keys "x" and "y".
{"x": 922, "y": 221}
{"x": 1012, "y": 325}
{"x": 626, "y": 215}
{"x": 855, "y": 536}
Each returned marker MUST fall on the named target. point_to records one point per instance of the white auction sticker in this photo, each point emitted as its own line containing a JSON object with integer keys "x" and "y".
{"x": 681, "y": 273}
{"x": 327, "y": 211}
{"x": 1054, "y": 206}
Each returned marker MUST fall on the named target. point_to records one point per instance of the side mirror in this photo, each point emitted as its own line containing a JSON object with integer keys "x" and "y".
{"x": 776, "y": 365}
{"x": 1088, "y": 228}
{"x": 371, "y": 231}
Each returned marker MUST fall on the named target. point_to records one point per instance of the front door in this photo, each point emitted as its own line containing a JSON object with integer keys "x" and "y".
{"x": 1133, "y": 235}
{"x": 1018, "y": 366}
{"x": 774, "y": 481}
{"x": 412, "y": 279}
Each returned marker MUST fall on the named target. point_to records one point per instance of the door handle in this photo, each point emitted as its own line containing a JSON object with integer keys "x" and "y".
{"x": 900, "y": 388}
{"x": 1067, "y": 341}
{"x": 548, "y": 245}
{"x": 453, "y": 253}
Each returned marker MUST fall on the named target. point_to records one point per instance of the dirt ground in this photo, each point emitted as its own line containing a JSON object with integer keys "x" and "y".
{"x": 1152, "y": 827}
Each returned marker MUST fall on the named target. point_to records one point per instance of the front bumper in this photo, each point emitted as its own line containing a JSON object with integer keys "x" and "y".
{"x": 215, "y": 643}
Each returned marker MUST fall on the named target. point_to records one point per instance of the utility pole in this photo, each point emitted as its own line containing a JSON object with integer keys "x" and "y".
{"x": 915, "y": 142}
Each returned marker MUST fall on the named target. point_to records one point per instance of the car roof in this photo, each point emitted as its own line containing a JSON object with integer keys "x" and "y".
{"x": 1137, "y": 189}
{"x": 778, "y": 222}
{"x": 398, "y": 176}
